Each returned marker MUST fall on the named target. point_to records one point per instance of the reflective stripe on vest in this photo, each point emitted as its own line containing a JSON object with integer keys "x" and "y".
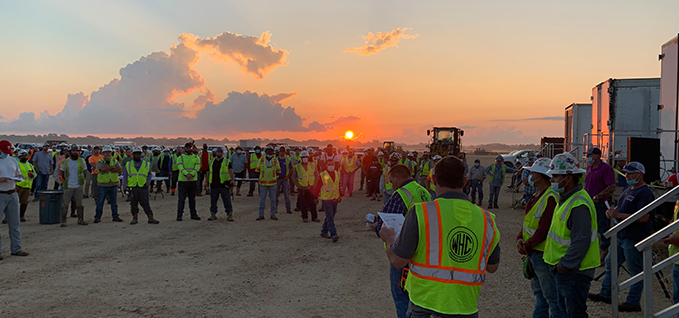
{"x": 492, "y": 172}
{"x": 25, "y": 169}
{"x": 137, "y": 178}
{"x": 108, "y": 176}
{"x": 306, "y": 177}
{"x": 413, "y": 193}
{"x": 188, "y": 164}
{"x": 254, "y": 161}
{"x": 268, "y": 176}
{"x": 531, "y": 220}
{"x": 330, "y": 187}
{"x": 224, "y": 175}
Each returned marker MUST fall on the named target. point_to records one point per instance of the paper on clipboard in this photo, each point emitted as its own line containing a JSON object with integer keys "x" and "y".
{"x": 14, "y": 178}
{"x": 392, "y": 221}
{"x": 608, "y": 206}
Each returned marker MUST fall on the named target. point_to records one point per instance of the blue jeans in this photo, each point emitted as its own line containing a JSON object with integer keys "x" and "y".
{"x": 225, "y": 193}
{"x": 252, "y": 175}
{"x": 9, "y": 206}
{"x": 544, "y": 288}
{"x": 494, "y": 194}
{"x": 42, "y": 182}
{"x": 285, "y": 186}
{"x": 271, "y": 192}
{"x": 477, "y": 185}
{"x": 573, "y": 289}
{"x": 112, "y": 194}
{"x": 401, "y": 299}
{"x": 603, "y": 225}
{"x": 330, "y": 207}
{"x": 635, "y": 264}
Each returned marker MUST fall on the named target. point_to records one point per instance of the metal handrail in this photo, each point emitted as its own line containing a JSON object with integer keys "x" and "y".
{"x": 649, "y": 269}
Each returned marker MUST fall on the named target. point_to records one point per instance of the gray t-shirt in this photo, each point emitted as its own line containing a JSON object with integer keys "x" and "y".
{"x": 100, "y": 164}
{"x": 72, "y": 173}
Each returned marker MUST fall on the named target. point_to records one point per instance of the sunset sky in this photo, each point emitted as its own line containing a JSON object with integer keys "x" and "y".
{"x": 315, "y": 69}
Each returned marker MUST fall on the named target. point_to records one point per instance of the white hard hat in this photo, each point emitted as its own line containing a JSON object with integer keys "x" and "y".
{"x": 136, "y": 149}
{"x": 268, "y": 147}
{"x": 345, "y": 151}
{"x": 304, "y": 154}
{"x": 22, "y": 152}
{"x": 106, "y": 148}
{"x": 541, "y": 166}
{"x": 564, "y": 163}
{"x": 166, "y": 150}
{"x": 380, "y": 153}
{"x": 277, "y": 148}
{"x": 620, "y": 157}
{"x": 311, "y": 151}
{"x": 437, "y": 157}
{"x": 218, "y": 148}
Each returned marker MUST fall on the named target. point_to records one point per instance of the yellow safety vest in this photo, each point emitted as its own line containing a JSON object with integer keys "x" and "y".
{"x": 492, "y": 172}
{"x": 349, "y": 164}
{"x": 456, "y": 238}
{"x": 674, "y": 248}
{"x": 306, "y": 177}
{"x": 387, "y": 183}
{"x": 330, "y": 188}
{"x": 108, "y": 176}
{"x": 268, "y": 176}
{"x": 254, "y": 161}
{"x": 532, "y": 219}
{"x": 175, "y": 164}
{"x": 426, "y": 167}
{"x": 559, "y": 237}
{"x": 80, "y": 171}
{"x": 188, "y": 164}
{"x": 137, "y": 178}
{"x": 412, "y": 193}
{"x": 25, "y": 169}
{"x": 430, "y": 177}
{"x": 224, "y": 175}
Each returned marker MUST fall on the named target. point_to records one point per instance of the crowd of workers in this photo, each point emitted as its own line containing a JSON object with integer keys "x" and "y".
{"x": 447, "y": 243}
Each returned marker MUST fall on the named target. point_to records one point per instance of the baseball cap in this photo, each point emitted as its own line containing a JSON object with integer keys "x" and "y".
{"x": 593, "y": 151}
{"x": 633, "y": 167}
{"x": 6, "y": 147}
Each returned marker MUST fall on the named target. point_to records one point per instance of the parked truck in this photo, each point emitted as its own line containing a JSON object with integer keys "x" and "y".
{"x": 248, "y": 143}
{"x": 578, "y": 122}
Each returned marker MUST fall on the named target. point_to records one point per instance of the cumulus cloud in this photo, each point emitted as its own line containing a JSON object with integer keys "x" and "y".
{"x": 253, "y": 54}
{"x": 342, "y": 121}
{"x": 381, "y": 40}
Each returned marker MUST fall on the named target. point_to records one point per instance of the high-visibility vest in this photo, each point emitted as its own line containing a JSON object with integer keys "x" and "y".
{"x": 387, "y": 183}
{"x": 162, "y": 159}
{"x": 381, "y": 161}
{"x": 492, "y": 172}
{"x": 80, "y": 171}
{"x": 350, "y": 164}
{"x": 188, "y": 164}
{"x": 330, "y": 188}
{"x": 532, "y": 218}
{"x": 268, "y": 176}
{"x": 25, "y": 169}
{"x": 426, "y": 166}
{"x": 430, "y": 177}
{"x": 107, "y": 176}
{"x": 306, "y": 177}
{"x": 288, "y": 166}
{"x": 456, "y": 238}
{"x": 559, "y": 237}
{"x": 254, "y": 161}
{"x": 175, "y": 166}
{"x": 412, "y": 193}
{"x": 674, "y": 248}
{"x": 224, "y": 175}
{"x": 137, "y": 178}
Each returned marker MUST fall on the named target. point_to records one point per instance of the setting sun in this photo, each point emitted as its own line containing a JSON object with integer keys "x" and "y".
{"x": 349, "y": 135}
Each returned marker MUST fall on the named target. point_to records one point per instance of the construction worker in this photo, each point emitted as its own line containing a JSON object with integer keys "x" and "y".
{"x": 386, "y": 188}
{"x": 175, "y": 168}
{"x": 477, "y": 175}
{"x": 572, "y": 245}
{"x": 329, "y": 180}
{"x": 531, "y": 239}
{"x": 496, "y": 173}
{"x": 268, "y": 169}
{"x": 239, "y": 162}
{"x": 295, "y": 159}
{"x": 9, "y": 199}
{"x": 600, "y": 185}
{"x": 107, "y": 182}
{"x": 72, "y": 172}
{"x": 154, "y": 160}
{"x": 430, "y": 179}
{"x": 409, "y": 193}
{"x": 673, "y": 245}
{"x": 145, "y": 153}
{"x": 380, "y": 159}
{"x": 43, "y": 163}
{"x": 165, "y": 169}
{"x": 429, "y": 242}
{"x": 304, "y": 175}
{"x": 349, "y": 164}
{"x": 136, "y": 179}
{"x": 188, "y": 165}
{"x": 205, "y": 158}
{"x": 411, "y": 163}
{"x": 220, "y": 179}
{"x": 23, "y": 188}
{"x": 91, "y": 162}
{"x": 426, "y": 165}
{"x": 282, "y": 182}
{"x": 253, "y": 163}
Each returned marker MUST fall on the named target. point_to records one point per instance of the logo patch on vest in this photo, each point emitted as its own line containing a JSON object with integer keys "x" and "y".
{"x": 462, "y": 244}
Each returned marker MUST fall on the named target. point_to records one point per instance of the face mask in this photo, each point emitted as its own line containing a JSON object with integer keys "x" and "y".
{"x": 477, "y": 164}
{"x": 305, "y": 160}
{"x": 331, "y": 168}
{"x": 632, "y": 182}
{"x": 238, "y": 152}
{"x": 531, "y": 182}
{"x": 590, "y": 160}
{"x": 24, "y": 160}
{"x": 258, "y": 151}
{"x": 3, "y": 155}
{"x": 555, "y": 187}
{"x": 269, "y": 156}
{"x": 143, "y": 155}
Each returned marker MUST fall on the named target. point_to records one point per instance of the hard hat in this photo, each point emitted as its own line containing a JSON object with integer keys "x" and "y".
{"x": 106, "y": 148}
{"x": 540, "y": 166}
{"x": 218, "y": 148}
{"x": 145, "y": 145}
{"x": 425, "y": 153}
{"x": 304, "y": 154}
{"x": 620, "y": 157}
{"x": 437, "y": 157}
{"x": 564, "y": 163}
{"x": 394, "y": 156}
{"x": 74, "y": 147}
{"x": 22, "y": 152}
{"x": 268, "y": 148}
{"x": 166, "y": 150}
{"x": 303, "y": 147}
{"x": 136, "y": 149}
{"x": 345, "y": 151}
{"x": 311, "y": 151}
{"x": 410, "y": 154}
{"x": 277, "y": 148}
{"x": 157, "y": 148}
{"x": 501, "y": 158}
{"x": 380, "y": 153}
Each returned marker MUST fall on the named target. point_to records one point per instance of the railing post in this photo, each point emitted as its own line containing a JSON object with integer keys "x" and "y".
{"x": 615, "y": 286}
{"x": 648, "y": 282}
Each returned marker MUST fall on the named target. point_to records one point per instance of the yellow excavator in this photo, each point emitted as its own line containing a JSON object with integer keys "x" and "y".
{"x": 445, "y": 140}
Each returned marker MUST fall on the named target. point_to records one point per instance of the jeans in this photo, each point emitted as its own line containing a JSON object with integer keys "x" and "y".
{"x": 477, "y": 185}
{"x": 95, "y": 185}
{"x": 240, "y": 175}
{"x": 307, "y": 203}
{"x": 175, "y": 179}
{"x": 112, "y": 194}
{"x": 603, "y": 224}
{"x": 400, "y": 297}
{"x": 415, "y": 311}
{"x": 201, "y": 179}
{"x": 330, "y": 207}
{"x": 635, "y": 264}
{"x": 494, "y": 194}
{"x": 187, "y": 189}
{"x": 140, "y": 196}
{"x": 285, "y": 186}
{"x": 42, "y": 181}
{"x": 271, "y": 192}
{"x": 348, "y": 183}
{"x": 573, "y": 289}
{"x": 252, "y": 175}
{"x": 225, "y": 193}
{"x": 544, "y": 288}
{"x": 9, "y": 207}
{"x": 88, "y": 182}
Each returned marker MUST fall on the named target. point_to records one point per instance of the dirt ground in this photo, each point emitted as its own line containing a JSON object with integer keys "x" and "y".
{"x": 245, "y": 268}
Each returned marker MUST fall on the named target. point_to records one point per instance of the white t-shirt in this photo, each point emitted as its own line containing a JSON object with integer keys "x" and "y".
{"x": 9, "y": 168}
{"x": 72, "y": 174}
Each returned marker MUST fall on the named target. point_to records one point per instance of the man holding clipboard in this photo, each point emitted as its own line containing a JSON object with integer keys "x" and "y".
{"x": 9, "y": 199}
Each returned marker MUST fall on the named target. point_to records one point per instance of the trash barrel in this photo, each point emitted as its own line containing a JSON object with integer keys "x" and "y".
{"x": 50, "y": 206}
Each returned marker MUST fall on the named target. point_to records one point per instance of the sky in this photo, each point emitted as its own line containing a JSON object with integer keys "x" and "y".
{"x": 503, "y": 71}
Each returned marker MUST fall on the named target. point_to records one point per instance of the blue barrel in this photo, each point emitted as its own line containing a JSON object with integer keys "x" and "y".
{"x": 50, "y": 206}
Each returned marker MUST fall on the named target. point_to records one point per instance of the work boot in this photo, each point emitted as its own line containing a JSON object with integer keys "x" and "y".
{"x": 250, "y": 195}
{"x": 179, "y": 218}
{"x": 335, "y": 238}
{"x": 315, "y": 220}
{"x": 490, "y": 206}
{"x": 598, "y": 298}
{"x": 259, "y": 218}
{"x": 229, "y": 217}
{"x": 135, "y": 219}
{"x": 117, "y": 219}
{"x": 81, "y": 222}
{"x": 273, "y": 217}
{"x": 305, "y": 220}
{"x": 297, "y": 210}
{"x": 152, "y": 220}
{"x": 495, "y": 206}
{"x": 627, "y": 307}
{"x": 97, "y": 221}
{"x": 326, "y": 235}
{"x": 4, "y": 221}
{"x": 288, "y": 212}
{"x": 195, "y": 217}
{"x": 212, "y": 217}
{"x": 22, "y": 212}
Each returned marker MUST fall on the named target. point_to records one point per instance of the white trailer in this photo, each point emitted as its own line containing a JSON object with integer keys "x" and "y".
{"x": 248, "y": 143}
{"x": 578, "y": 124}
{"x": 669, "y": 73}
{"x": 623, "y": 108}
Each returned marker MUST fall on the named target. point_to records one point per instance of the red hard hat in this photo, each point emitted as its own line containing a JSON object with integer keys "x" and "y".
{"x": 6, "y": 147}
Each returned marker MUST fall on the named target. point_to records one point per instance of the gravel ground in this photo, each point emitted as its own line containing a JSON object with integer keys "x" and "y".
{"x": 230, "y": 269}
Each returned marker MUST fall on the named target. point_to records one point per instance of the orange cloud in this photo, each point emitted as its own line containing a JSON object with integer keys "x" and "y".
{"x": 253, "y": 54}
{"x": 381, "y": 40}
